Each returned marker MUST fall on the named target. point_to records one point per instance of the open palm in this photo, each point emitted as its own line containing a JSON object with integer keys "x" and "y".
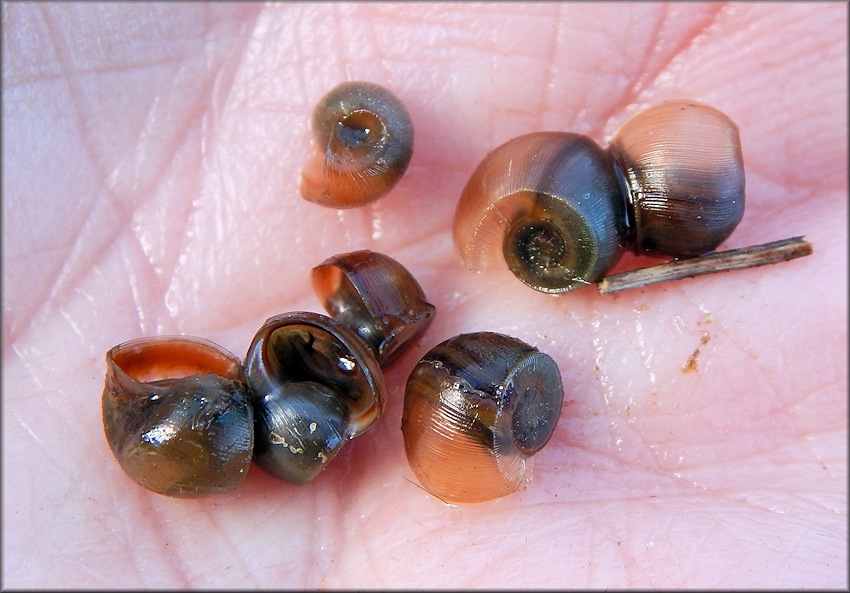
{"x": 150, "y": 186}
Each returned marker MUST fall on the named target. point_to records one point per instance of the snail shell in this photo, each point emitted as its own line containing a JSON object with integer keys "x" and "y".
{"x": 684, "y": 172}
{"x": 176, "y": 415}
{"x": 376, "y": 297}
{"x": 549, "y": 204}
{"x": 559, "y": 210}
{"x": 363, "y": 140}
{"x": 313, "y": 384}
{"x": 476, "y": 409}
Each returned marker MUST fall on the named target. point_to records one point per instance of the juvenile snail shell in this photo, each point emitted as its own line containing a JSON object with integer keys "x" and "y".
{"x": 476, "y": 409}
{"x": 376, "y": 297}
{"x": 559, "y": 210}
{"x": 314, "y": 384}
{"x": 363, "y": 141}
{"x": 550, "y": 205}
{"x": 176, "y": 415}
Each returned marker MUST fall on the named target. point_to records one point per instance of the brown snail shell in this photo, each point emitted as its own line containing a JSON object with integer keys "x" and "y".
{"x": 363, "y": 142}
{"x": 314, "y": 384}
{"x": 477, "y": 407}
{"x": 684, "y": 171}
{"x": 549, "y": 205}
{"x": 176, "y": 415}
{"x": 559, "y": 210}
{"x": 376, "y": 297}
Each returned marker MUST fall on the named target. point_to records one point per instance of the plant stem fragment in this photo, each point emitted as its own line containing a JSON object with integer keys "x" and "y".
{"x": 722, "y": 261}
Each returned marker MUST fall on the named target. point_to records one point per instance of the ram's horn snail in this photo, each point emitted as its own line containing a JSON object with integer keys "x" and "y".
{"x": 377, "y": 297}
{"x": 559, "y": 210}
{"x": 314, "y": 384}
{"x": 363, "y": 141}
{"x": 477, "y": 407}
{"x": 176, "y": 415}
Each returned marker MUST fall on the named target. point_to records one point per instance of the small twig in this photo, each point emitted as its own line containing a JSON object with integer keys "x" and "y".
{"x": 723, "y": 261}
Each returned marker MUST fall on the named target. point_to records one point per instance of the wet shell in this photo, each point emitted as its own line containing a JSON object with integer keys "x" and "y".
{"x": 476, "y": 409}
{"x": 314, "y": 385}
{"x": 176, "y": 415}
{"x": 549, "y": 205}
{"x": 559, "y": 211}
{"x": 376, "y": 297}
{"x": 363, "y": 142}
{"x": 684, "y": 171}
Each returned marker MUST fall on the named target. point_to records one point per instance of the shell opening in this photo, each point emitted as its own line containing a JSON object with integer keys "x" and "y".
{"x": 166, "y": 358}
{"x": 376, "y": 297}
{"x": 308, "y": 347}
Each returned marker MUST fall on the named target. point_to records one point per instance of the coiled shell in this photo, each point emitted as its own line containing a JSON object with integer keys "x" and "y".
{"x": 314, "y": 384}
{"x": 684, "y": 172}
{"x": 376, "y": 297}
{"x": 477, "y": 407}
{"x": 363, "y": 142}
{"x": 549, "y": 205}
{"x": 176, "y": 415}
{"x": 559, "y": 210}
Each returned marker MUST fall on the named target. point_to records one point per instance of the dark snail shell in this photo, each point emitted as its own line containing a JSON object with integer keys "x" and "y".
{"x": 363, "y": 141}
{"x": 559, "y": 210}
{"x": 476, "y": 409}
{"x": 376, "y": 297}
{"x": 547, "y": 203}
{"x": 176, "y": 415}
{"x": 683, "y": 165}
{"x": 314, "y": 384}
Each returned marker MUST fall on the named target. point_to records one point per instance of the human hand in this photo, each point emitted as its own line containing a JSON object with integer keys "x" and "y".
{"x": 151, "y": 163}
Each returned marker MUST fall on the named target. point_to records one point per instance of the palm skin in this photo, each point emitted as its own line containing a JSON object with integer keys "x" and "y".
{"x": 151, "y": 165}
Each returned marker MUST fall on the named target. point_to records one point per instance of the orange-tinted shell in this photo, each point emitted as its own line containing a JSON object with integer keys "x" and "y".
{"x": 376, "y": 297}
{"x": 684, "y": 169}
{"x": 363, "y": 141}
{"x": 176, "y": 415}
{"x": 559, "y": 210}
{"x": 476, "y": 409}
{"x": 547, "y": 204}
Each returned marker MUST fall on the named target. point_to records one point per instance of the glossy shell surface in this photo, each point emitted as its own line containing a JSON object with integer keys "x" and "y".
{"x": 363, "y": 142}
{"x": 376, "y": 297}
{"x": 559, "y": 211}
{"x": 176, "y": 415}
{"x": 314, "y": 384}
{"x": 684, "y": 168}
{"x": 549, "y": 205}
{"x": 477, "y": 407}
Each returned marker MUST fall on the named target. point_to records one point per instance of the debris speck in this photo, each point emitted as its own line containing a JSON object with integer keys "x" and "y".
{"x": 691, "y": 364}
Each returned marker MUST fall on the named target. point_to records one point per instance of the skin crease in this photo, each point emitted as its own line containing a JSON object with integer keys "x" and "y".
{"x": 151, "y": 161}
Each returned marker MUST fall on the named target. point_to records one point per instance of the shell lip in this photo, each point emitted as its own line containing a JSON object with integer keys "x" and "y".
{"x": 375, "y": 296}
{"x": 264, "y": 371}
{"x": 631, "y": 224}
{"x": 142, "y": 361}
